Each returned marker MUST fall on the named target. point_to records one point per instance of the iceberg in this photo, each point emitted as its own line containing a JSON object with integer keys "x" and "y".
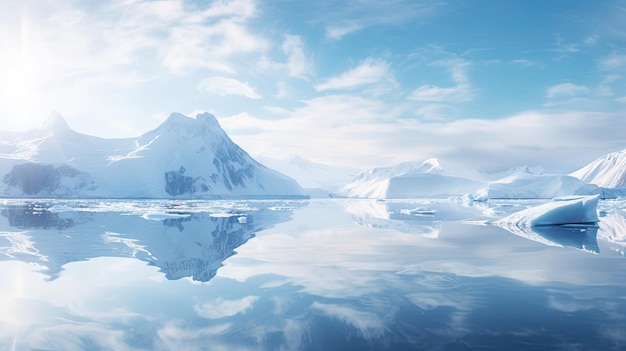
{"x": 560, "y": 211}
{"x": 409, "y": 180}
{"x": 569, "y": 221}
{"x": 526, "y": 185}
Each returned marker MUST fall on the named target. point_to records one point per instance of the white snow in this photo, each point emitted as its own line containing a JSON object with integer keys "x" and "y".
{"x": 613, "y": 231}
{"x": 409, "y": 180}
{"x": 525, "y": 185}
{"x": 196, "y": 150}
{"x": 159, "y": 216}
{"x": 564, "y": 222}
{"x": 537, "y": 170}
{"x": 428, "y": 179}
{"x": 560, "y": 211}
{"x": 608, "y": 171}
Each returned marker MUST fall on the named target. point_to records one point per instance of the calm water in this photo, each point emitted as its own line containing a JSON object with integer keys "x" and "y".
{"x": 305, "y": 275}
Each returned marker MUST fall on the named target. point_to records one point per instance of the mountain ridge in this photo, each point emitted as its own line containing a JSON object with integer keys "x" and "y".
{"x": 183, "y": 156}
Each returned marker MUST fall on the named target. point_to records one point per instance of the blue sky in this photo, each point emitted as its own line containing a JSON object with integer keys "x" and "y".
{"x": 492, "y": 84}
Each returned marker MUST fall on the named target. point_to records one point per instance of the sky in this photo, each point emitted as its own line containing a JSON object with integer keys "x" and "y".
{"x": 362, "y": 83}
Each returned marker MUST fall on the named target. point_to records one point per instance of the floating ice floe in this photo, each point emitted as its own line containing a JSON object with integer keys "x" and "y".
{"x": 569, "y": 221}
{"x": 419, "y": 211}
{"x": 159, "y": 216}
{"x": 60, "y": 208}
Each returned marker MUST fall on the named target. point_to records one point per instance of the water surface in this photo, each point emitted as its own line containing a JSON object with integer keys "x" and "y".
{"x": 305, "y": 275}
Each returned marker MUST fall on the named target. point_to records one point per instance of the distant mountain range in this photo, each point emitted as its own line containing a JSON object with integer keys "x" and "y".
{"x": 194, "y": 158}
{"x": 317, "y": 179}
{"x": 183, "y": 158}
{"x": 428, "y": 179}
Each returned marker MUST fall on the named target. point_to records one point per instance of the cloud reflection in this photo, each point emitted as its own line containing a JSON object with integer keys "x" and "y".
{"x": 220, "y": 307}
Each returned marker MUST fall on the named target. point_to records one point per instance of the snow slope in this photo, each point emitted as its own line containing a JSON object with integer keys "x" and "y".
{"x": 536, "y": 186}
{"x": 564, "y": 222}
{"x": 408, "y": 180}
{"x": 608, "y": 171}
{"x": 184, "y": 157}
{"x": 560, "y": 211}
{"x": 537, "y": 170}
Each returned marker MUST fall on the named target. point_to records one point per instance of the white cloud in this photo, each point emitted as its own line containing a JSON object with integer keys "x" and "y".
{"x": 208, "y": 46}
{"x": 234, "y": 8}
{"x": 369, "y": 72}
{"x": 460, "y": 92}
{"x": 338, "y": 32}
{"x": 435, "y": 112}
{"x": 349, "y": 17}
{"x": 524, "y": 62}
{"x": 227, "y": 86}
{"x": 298, "y": 63}
{"x": 613, "y": 61}
{"x": 370, "y": 133}
{"x": 621, "y": 99}
{"x": 220, "y": 308}
{"x": 77, "y": 38}
{"x": 566, "y": 89}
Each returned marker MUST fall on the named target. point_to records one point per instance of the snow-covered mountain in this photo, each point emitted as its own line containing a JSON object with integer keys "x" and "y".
{"x": 409, "y": 180}
{"x": 317, "y": 179}
{"x": 608, "y": 171}
{"x": 183, "y": 158}
{"x": 428, "y": 179}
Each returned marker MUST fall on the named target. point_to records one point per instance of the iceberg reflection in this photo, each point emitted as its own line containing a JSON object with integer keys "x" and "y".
{"x": 422, "y": 217}
{"x": 580, "y": 237}
{"x": 613, "y": 231}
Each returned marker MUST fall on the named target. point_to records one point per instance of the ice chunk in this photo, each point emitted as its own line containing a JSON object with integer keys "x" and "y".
{"x": 419, "y": 211}
{"x": 159, "y": 216}
{"x": 565, "y": 222}
{"x": 562, "y": 210}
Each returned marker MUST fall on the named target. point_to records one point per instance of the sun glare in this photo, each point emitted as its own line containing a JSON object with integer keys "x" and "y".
{"x": 19, "y": 83}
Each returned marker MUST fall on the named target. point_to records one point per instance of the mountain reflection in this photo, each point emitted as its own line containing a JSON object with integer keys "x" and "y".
{"x": 34, "y": 215}
{"x": 182, "y": 243}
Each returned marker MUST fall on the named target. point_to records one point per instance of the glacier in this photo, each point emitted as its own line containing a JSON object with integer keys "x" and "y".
{"x": 428, "y": 179}
{"x": 184, "y": 157}
{"x": 525, "y": 185}
{"x": 408, "y": 180}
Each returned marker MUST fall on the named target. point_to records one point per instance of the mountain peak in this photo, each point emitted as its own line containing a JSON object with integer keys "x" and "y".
{"x": 55, "y": 122}
{"x": 607, "y": 171}
{"x": 203, "y": 123}
{"x": 207, "y": 118}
